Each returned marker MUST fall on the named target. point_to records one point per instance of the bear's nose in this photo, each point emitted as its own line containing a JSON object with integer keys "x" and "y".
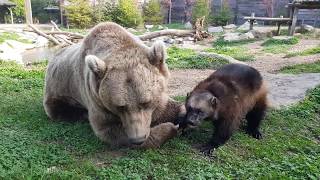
{"x": 138, "y": 140}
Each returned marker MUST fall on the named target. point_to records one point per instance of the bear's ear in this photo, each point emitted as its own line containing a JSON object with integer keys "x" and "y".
{"x": 96, "y": 65}
{"x": 157, "y": 54}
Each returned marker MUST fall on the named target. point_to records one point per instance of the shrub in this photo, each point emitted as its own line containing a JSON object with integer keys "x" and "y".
{"x": 79, "y": 13}
{"x": 200, "y": 9}
{"x": 152, "y": 13}
{"x": 127, "y": 13}
{"x": 222, "y": 18}
{"x": 103, "y": 11}
{"x": 18, "y": 10}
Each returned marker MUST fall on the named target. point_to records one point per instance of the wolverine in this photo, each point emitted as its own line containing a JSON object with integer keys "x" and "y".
{"x": 227, "y": 96}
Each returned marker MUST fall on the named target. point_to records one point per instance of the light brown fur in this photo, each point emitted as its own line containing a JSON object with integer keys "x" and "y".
{"x": 116, "y": 82}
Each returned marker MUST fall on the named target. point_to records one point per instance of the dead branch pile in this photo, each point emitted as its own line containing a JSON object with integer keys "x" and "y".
{"x": 57, "y": 36}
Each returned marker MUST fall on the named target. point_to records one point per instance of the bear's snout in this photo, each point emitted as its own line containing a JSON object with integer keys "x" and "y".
{"x": 138, "y": 140}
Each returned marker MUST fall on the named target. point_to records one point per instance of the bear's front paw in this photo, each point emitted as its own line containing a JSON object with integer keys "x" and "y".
{"x": 255, "y": 134}
{"x": 207, "y": 149}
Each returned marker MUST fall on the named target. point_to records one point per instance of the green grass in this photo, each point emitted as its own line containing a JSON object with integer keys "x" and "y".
{"x": 307, "y": 52}
{"x": 240, "y": 53}
{"x": 277, "y": 46}
{"x": 302, "y": 68}
{"x": 12, "y": 36}
{"x": 33, "y": 147}
{"x": 179, "y": 58}
{"x": 221, "y": 42}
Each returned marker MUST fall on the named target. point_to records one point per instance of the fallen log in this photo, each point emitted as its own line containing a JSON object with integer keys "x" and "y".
{"x": 55, "y": 26}
{"x": 167, "y": 32}
{"x": 49, "y": 37}
{"x": 75, "y": 35}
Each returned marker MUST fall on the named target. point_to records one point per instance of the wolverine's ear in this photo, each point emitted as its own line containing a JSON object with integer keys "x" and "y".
{"x": 157, "y": 54}
{"x": 96, "y": 65}
{"x": 213, "y": 101}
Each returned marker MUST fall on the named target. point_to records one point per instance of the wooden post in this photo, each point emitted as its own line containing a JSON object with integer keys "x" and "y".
{"x": 252, "y": 21}
{"x": 11, "y": 15}
{"x": 294, "y": 21}
{"x": 279, "y": 28}
{"x": 27, "y": 7}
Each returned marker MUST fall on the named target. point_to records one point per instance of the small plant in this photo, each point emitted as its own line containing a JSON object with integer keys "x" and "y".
{"x": 239, "y": 53}
{"x": 152, "y": 13}
{"x": 277, "y": 46}
{"x": 273, "y": 42}
{"x": 187, "y": 59}
{"x": 79, "y": 13}
{"x": 12, "y": 36}
{"x": 315, "y": 50}
{"x": 302, "y": 68}
{"x": 200, "y": 9}
{"x": 221, "y": 42}
{"x": 222, "y": 17}
{"x": 127, "y": 14}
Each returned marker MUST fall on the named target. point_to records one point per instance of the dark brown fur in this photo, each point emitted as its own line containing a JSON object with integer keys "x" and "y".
{"x": 240, "y": 93}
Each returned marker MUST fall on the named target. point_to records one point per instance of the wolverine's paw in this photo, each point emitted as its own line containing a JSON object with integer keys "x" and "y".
{"x": 255, "y": 134}
{"x": 207, "y": 149}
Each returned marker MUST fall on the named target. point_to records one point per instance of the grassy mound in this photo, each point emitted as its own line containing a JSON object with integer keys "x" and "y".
{"x": 302, "y": 68}
{"x": 179, "y": 58}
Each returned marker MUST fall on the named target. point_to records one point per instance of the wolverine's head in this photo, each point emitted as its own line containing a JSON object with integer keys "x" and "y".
{"x": 199, "y": 106}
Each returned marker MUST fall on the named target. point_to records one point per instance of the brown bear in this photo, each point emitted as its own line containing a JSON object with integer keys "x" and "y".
{"x": 116, "y": 82}
{"x": 227, "y": 96}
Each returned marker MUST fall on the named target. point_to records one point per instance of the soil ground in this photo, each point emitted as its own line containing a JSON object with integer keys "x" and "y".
{"x": 285, "y": 89}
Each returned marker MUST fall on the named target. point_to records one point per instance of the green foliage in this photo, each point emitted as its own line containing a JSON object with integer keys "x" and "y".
{"x": 187, "y": 59}
{"x": 18, "y": 10}
{"x": 240, "y": 53}
{"x": 307, "y": 52}
{"x": 222, "y": 17}
{"x": 39, "y": 12}
{"x": 12, "y": 36}
{"x": 33, "y": 147}
{"x": 103, "y": 11}
{"x": 302, "y": 68}
{"x": 152, "y": 13}
{"x": 221, "y": 42}
{"x": 200, "y": 9}
{"x": 274, "y": 42}
{"x": 79, "y": 13}
{"x": 277, "y": 46}
{"x": 127, "y": 14}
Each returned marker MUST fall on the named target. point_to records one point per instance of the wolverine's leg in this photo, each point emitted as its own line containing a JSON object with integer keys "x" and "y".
{"x": 254, "y": 118}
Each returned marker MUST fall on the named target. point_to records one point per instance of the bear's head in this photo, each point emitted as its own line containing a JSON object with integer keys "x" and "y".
{"x": 131, "y": 84}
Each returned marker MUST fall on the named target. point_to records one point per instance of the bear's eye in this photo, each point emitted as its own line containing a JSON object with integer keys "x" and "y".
{"x": 145, "y": 105}
{"x": 121, "y": 108}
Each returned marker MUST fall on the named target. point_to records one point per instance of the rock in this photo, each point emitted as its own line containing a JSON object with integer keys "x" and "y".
{"x": 230, "y": 27}
{"x": 307, "y": 28}
{"x": 7, "y": 53}
{"x": 179, "y": 40}
{"x": 149, "y": 26}
{"x": 188, "y": 25}
{"x": 231, "y": 37}
{"x": 41, "y": 42}
{"x": 246, "y": 36}
{"x": 283, "y": 38}
{"x": 132, "y": 30}
{"x": 169, "y": 41}
{"x": 165, "y": 28}
{"x": 189, "y": 38}
{"x": 160, "y": 27}
{"x": 19, "y": 46}
{"x": 260, "y": 33}
{"x": 217, "y": 29}
{"x": 244, "y": 27}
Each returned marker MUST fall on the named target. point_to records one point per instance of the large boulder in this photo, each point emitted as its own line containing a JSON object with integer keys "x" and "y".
{"x": 306, "y": 28}
{"x": 215, "y": 29}
{"x": 260, "y": 33}
{"x": 230, "y": 27}
{"x": 244, "y": 27}
{"x": 188, "y": 25}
